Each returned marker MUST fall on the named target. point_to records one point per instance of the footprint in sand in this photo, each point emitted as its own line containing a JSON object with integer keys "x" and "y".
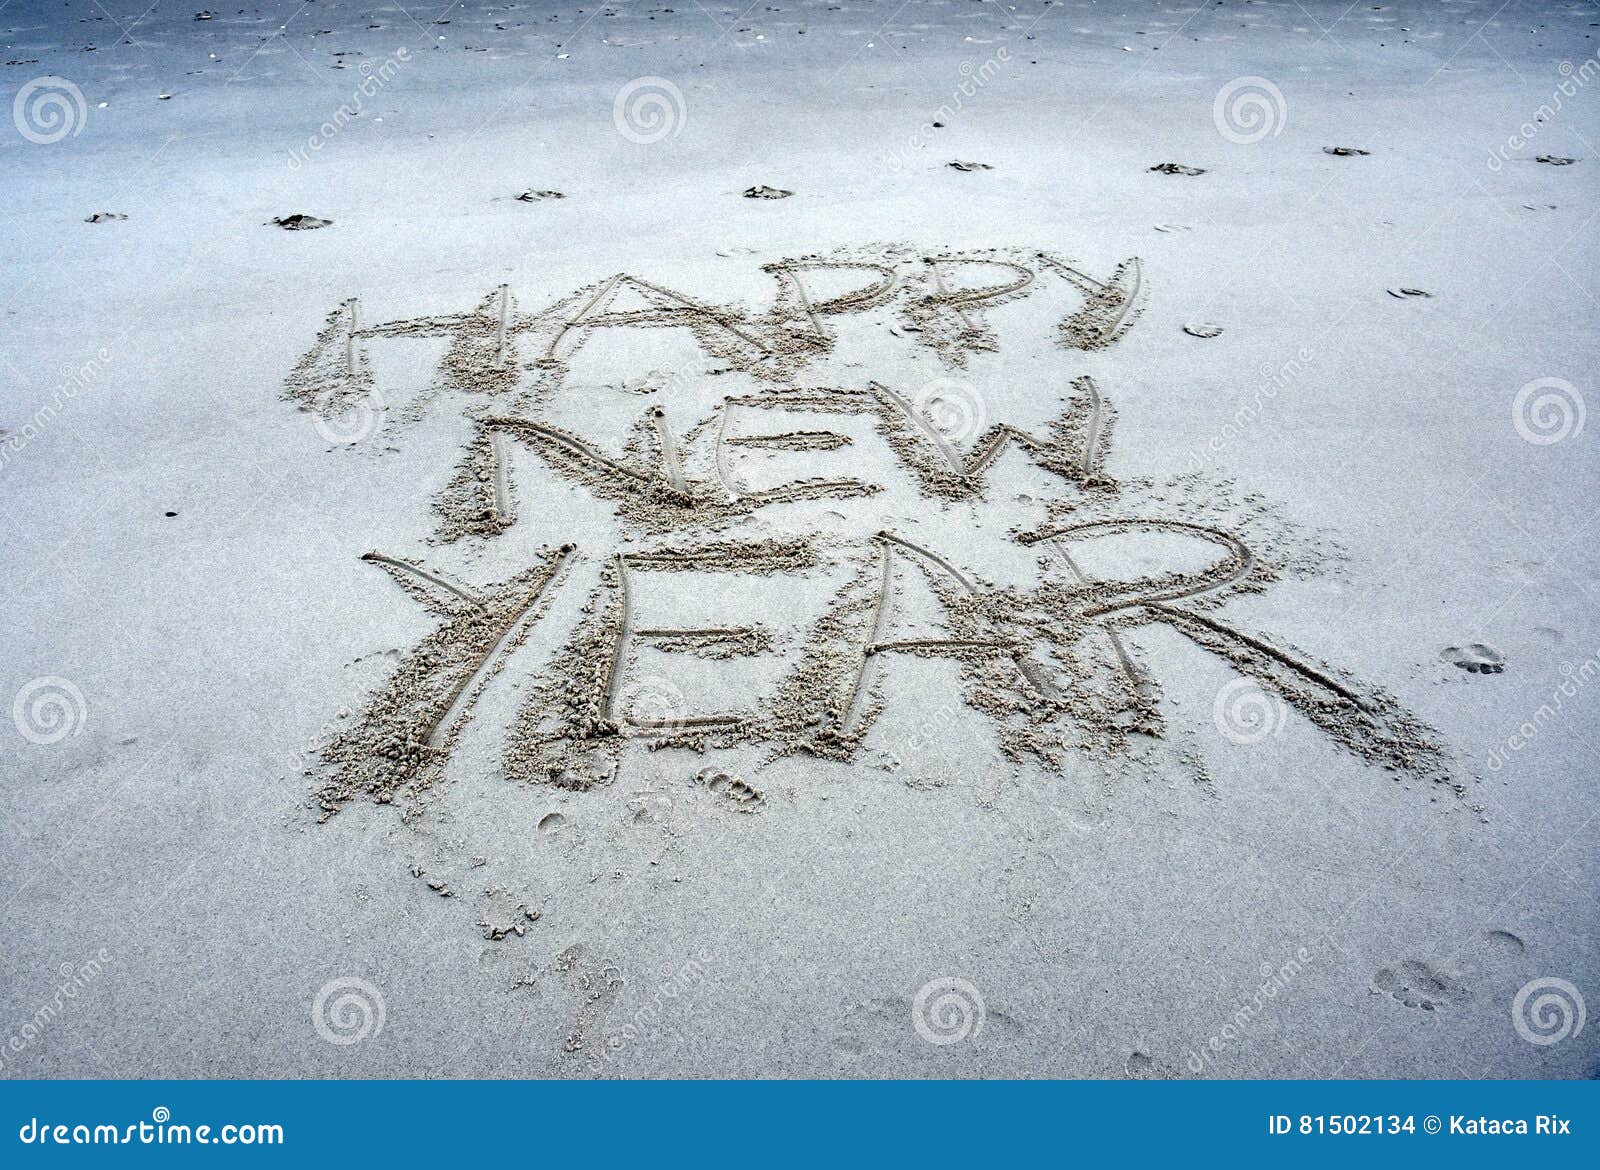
{"x": 740, "y": 793}
{"x": 882, "y": 1029}
{"x": 1474, "y": 658}
{"x": 299, "y": 222}
{"x": 1492, "y": 955}
{"x": 1418, "y": 985}
{"x": 1504, "y": 942}
{"x": 1141, "y": 1066}
{"x": 650, "y": 807}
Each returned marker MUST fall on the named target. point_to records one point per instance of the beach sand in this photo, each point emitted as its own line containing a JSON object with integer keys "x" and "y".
{"x": 830, "y": 540}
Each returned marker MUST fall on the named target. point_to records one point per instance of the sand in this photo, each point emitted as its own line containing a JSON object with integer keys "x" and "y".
{"x": 822, "y": 540}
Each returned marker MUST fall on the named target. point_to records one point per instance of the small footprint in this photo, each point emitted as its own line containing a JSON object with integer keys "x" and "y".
{"x": 298, "y": 222}
{"x": 743, "y": 795}
{"x": 1505, "y": 942}
{"x": 1417, "y": 985}
{"x": 1474, "y": 658}
{"x": 1141, "y": 1066}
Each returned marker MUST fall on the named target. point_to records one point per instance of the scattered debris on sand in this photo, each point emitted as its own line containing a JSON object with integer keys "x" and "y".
{"x": 969, "y": 166}
{"x": 1177, "y": 169}
{"x": 1555, "y": 160}
{"x": 1345, "y": 151}
{"x": 535, "y": 196}
{"x": 1403, "y": 293}
{"x": 765, "y": 192}
{"x": 105, "y": 217}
